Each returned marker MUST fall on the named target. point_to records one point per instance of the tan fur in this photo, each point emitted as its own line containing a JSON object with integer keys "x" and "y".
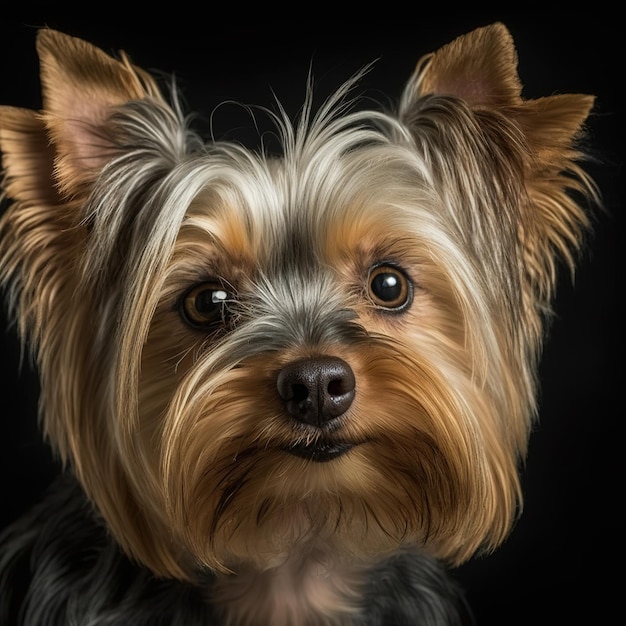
{"x": 178, "y": 436}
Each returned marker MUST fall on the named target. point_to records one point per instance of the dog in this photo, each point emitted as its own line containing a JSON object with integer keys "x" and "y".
{"x": 291, "y": 387}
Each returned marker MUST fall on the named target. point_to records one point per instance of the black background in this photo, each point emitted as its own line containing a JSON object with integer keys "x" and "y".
{"x": 563, "y": 560}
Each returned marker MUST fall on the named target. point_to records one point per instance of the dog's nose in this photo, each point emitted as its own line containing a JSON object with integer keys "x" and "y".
{"x": 316, "y": 390}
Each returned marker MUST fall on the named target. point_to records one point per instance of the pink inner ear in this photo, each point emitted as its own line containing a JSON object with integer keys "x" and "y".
{"x": 480, "y": 81}
{"x": 474, "y": 91}
{"x": 74, "y": 120}
{"x": 86, "y": 148}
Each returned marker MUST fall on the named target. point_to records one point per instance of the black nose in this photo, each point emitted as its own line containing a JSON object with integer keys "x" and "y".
{"x": 316, "y": 390}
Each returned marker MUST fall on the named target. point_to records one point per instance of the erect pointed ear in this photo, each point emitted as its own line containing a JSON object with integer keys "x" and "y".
{"x": 480, "y": 68}
{"x": 81, "y": 85}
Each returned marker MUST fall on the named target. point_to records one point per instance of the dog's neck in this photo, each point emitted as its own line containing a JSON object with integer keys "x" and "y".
{"x": 304, "y": 589}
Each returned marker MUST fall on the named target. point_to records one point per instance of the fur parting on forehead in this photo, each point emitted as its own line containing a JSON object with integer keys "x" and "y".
{"x": 245, "y": 220}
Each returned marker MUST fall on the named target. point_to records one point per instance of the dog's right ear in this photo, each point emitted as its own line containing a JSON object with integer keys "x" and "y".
{"x": 62, "y": 148}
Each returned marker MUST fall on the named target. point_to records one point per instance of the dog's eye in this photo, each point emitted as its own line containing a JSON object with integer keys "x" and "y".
{"x": 389, "y": 287}
{"x": 204, "y": 305}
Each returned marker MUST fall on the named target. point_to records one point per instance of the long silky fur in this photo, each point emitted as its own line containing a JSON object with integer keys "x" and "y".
{"x": 178, "y": 438}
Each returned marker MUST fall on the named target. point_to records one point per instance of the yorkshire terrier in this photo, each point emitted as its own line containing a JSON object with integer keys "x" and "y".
{"x": 288, "y": 387}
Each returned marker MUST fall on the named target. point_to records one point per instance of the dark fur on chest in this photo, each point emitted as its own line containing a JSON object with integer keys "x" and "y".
{"x": 58, "y": 566}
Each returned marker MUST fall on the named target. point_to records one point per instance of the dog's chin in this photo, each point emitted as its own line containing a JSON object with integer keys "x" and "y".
{"x": 320, "y": 451}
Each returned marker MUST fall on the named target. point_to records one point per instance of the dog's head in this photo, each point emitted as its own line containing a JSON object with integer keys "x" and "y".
{"x": 333, "y": 348}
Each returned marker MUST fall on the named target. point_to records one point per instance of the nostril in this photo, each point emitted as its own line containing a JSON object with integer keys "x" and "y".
{"x": 336, "y": 387}
{"x": 299, "y": 392}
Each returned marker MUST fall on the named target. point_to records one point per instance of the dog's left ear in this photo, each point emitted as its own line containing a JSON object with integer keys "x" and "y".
{"x": 64, "y": 146}
{"x": 481, "y": 69}
{"x": 465, "y": 100}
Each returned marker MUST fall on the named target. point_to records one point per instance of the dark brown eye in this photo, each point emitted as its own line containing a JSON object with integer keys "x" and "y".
{"x": 389, "y": 287}
{"x": 205, "y": 305}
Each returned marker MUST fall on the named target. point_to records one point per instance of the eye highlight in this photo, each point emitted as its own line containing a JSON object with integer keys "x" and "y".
{"x": 205, "y": 305}
{"x": 389, "y": 287}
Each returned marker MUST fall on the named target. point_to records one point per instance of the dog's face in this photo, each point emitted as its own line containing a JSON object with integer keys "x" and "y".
{"x": 331, "y": 349}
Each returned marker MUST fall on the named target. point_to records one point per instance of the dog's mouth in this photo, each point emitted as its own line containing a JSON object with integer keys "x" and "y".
{"x": 320, "y": 451}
